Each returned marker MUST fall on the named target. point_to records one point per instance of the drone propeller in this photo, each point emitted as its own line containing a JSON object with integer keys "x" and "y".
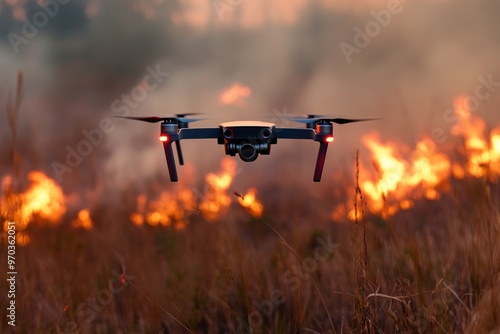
{"x": 182, "y": 121}
{"x": 238, "y": 137}
{"x": 179, "y": 118}
{"x": 312, "y": 119}
{"x": 321, "y": 126}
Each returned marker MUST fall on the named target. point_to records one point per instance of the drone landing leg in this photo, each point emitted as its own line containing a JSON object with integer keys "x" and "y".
{"x": 169, "y": 153}
{"x": 179, "y": 152}
{"x": 320, "y": 161}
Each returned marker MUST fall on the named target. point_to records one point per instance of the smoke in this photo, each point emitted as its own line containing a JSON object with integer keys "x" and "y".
{"x": 289, "y": 54}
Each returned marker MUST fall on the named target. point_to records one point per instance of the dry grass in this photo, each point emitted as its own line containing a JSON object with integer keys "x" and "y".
{"x": 12, "y": 109}
{"x": 435, "y": 268}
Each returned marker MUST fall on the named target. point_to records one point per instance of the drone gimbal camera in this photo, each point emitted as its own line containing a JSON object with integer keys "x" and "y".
{"x": 248, "y": 139}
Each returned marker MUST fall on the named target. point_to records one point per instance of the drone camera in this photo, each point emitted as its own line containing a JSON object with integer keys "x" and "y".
{"x": 248, "y": 152}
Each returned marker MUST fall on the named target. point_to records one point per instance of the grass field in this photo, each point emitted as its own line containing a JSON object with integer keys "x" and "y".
{"x": 432, "y": 269}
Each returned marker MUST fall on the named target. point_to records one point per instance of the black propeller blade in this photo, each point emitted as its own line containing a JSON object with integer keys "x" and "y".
{"x": 311, "y": 119}
{"x": 181, "y": 118}
{"x": 182, "y": 121}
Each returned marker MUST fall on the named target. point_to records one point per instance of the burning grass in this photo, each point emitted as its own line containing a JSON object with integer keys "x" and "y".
{"x": 398, "y": 178}
{"x": 432, "y": 268}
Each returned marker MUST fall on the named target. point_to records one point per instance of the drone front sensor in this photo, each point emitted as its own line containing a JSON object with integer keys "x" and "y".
{"x": 248, "y": 139}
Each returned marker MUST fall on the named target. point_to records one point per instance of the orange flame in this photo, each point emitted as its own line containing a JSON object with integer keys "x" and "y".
{"x": 235, "y": 95}
{"x": 401, "y": 179}
{"x": 250, "y": 202}
{"x": 483, "y": 156}
{"x": 168, "y": 210}
{"x": 212, "y": 203}
{"x": 215, "y": 199}
{"x": 83, "y": 220}
{"x": 43, "y": 199}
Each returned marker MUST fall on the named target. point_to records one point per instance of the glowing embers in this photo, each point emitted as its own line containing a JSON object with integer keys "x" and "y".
{"x": 167, "y": 210}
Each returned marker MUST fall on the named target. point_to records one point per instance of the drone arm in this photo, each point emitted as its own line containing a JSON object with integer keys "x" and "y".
{"x": 179, "y": 152}
{"x": 200, "y": 133}
{"x": 323, "y": 146}
{"x": 184, "y": 134}
{"x": 290, "y": 133}
{"x": 169, "y": 154}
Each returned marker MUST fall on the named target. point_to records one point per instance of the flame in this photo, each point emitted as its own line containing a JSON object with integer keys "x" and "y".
{"x": 43, "y": 199}
{"x": 83, "y": 220}
{"x": 398, "y": 179}
{"x": 235, "y": 95}
{"x": 483, "y": 154}
{"x": 213, "y": 202}
{"x": 403, "y": 180}
{"x": 250, "y": 202}
{"x": 167, "y": 210}
{"x": 138, "y": 217}
{"x": 215, "y": 199}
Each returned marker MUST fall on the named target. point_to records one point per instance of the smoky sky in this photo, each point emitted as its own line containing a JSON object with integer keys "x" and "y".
{"x": 76, "y": 66}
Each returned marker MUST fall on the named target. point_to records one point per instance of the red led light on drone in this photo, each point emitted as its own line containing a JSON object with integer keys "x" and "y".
{"x": 163, "y": 138}
{"x": 329, "y": 139}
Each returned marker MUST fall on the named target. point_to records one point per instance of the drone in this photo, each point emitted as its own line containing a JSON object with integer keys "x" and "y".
{"x": 248, "y": 139}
